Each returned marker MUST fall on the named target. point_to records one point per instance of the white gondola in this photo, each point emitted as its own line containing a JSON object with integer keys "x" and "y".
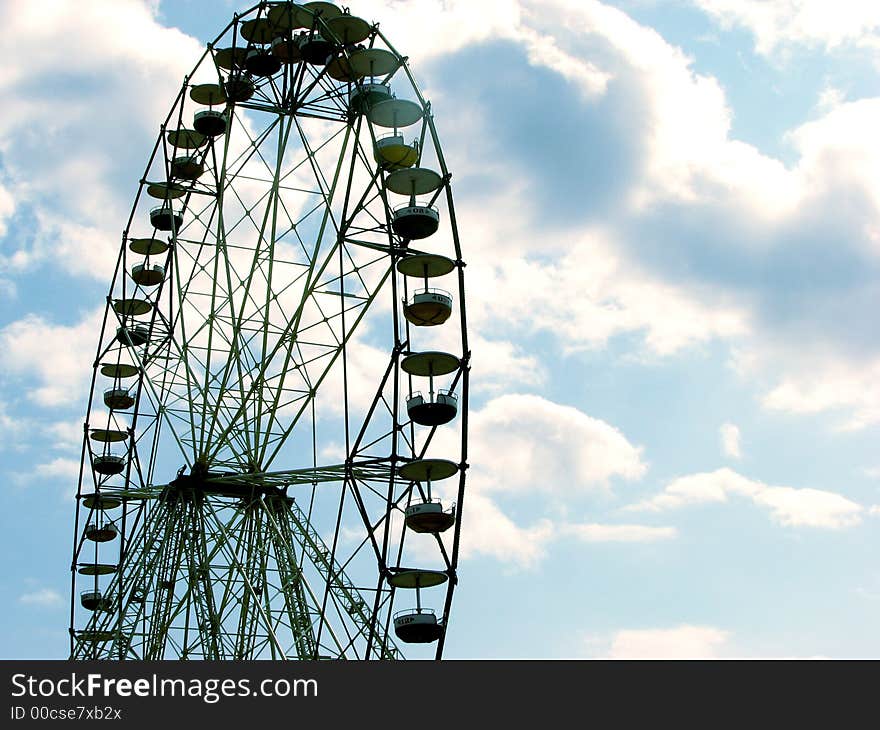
{"x": 118, "y": 399}
{"x": 148, "y": 246}
{"x": 364, "y": 96}
{"x": 97, "y": 569}
{"x": 230, "y": 59}
{"x": 428, "y": 307}
{"x": 262, "y": 62}
{"x": 238, "y": 88}
{"x": 166, "y": 191}
{"x": 258, "y": 30}
{"x": 132, "y": 307}
{"x": 101, "y": 533}
{"x": 147, "y": 274}
{"x": 119, "y": 370}
{"x": 101, "y": 501}
{"x": 108, "y": 435}
{"x": 210, "y": 122}
{"x": 166, "y": 218}
{"x": 108, "y": 464}
{"x": 91, "y": 600}
{"x": 286, "y": 50}
{"x": 315, "y": 48}
{"x": 432, "y": 412}
{"x": 186, "y": 139}
{"x": 393, "y": 153}
{"x": 133, "y": 336}
{"x": 429, "y": 517}
{"x": 415, "y": 222}
{"x": 95, "y": 636}
{"x": 417, "y": 626}
{"x": 187, "y": 167}
{"x": 348, "y": 29}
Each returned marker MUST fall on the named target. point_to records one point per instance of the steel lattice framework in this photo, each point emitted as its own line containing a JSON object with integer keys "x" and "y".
{"x": 255, "y": 482}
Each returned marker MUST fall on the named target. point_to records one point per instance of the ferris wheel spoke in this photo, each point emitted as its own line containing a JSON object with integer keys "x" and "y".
{"x": 234, "y": 340}
{"x": 340, "y": 586}
{"x": 286, "y": 334}
{"x": 293, "y": 589}
{"x": 224, "y": 547}
{"x": 329, "y": 364}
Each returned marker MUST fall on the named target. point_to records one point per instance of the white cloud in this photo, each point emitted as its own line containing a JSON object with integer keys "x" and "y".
{"x": 67, "y": 435}
{"x": 831, "y": 385}
{"x": 527, "y": 444}
{"x": 592, "y": 294}
{"x": 500, "y": 365}
{"x": 491, "y": 532}
{"x": 787, "y": 506}
{"x": 7, "y": 208}
{"x": 809, "y": 22}
{"x": 454, "y": 23}
{"x": 13, "y": 430}
{"x": 43, "y": 597}
{"x": 543, "y": 50}
{"x": 809, "y": 507}
{"x": 686, "y": 119}
{"x": 60, "y": 467}
{"x": 619, "y": 533}
{"x": 53, "y": 360}
{"x": 114, "y": 71}
{"x": 730, "y": 440}
{"x": 682, "y": 642}
{"x": 839, "y": 152}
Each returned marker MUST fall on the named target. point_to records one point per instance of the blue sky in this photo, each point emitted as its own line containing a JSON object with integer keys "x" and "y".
{"x": 670, "y": 211}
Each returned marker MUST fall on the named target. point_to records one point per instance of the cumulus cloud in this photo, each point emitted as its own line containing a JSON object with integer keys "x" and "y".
{"x": 113, "y": 70}
{"x": 60, "y": 467}
{"x": 52, "y": 360}
{"x": 524, "y": 446}
{"x": 7, "y": 207}
{"x": 707, "y": 208}
{"x": 13, "y": 430}
{"x": 782, "y": 23}
{"x": 41, "y": 597}
{"x": 681, "y": 642}
{"x": 696, "y": 218}
{"x": 68, "y": 435}
{"x": 492, "y": 533}
{"x": 591, "y": 295}
{"x": 848, "y": 388}
{"x": 530, "y": 444}
{"x": 730, "y": 440}
{"x": 787, "y": 506}
{"x": 677, "y": 149}
{"x": 619, "y": 533}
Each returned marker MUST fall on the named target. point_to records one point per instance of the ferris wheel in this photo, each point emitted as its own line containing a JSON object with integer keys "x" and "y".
{"x": 258, "y": 475}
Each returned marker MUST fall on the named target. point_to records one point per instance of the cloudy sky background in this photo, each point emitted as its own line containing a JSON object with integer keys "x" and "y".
{"x": 670, "y": 211}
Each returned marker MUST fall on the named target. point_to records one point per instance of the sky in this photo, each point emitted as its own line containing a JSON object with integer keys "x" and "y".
{"x": 670, "y": 212}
